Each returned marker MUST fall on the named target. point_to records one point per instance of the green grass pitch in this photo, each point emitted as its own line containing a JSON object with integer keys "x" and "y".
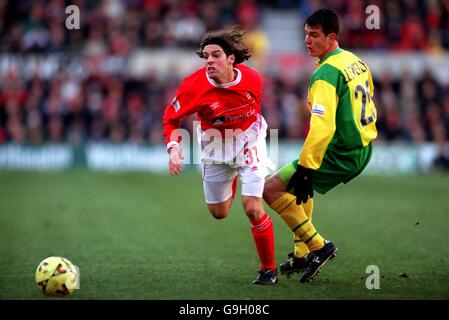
{"x": 147, "y": 236}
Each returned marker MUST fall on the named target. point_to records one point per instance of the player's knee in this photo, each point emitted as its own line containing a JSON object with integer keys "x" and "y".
{"x": 218, "y": 212}
{"x": 253, "y": 211}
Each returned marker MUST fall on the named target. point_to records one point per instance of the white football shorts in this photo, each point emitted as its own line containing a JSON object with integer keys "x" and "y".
{"x": 250, "y": 163}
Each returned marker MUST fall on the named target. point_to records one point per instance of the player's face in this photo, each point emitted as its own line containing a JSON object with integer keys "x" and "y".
{"x": 317, "y": 42}
{"x": 218, "y": 65}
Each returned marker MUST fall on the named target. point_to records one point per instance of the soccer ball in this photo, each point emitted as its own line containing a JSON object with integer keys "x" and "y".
{"x": 56, "y": 276}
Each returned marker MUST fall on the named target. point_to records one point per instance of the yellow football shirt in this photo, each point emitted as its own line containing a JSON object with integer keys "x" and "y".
{"x": 343, "y": 115}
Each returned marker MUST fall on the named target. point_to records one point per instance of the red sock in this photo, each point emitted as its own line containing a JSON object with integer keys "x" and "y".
{"x": 262, "y": 231}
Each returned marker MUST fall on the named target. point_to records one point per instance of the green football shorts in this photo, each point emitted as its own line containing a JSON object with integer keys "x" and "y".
{"x": 338, "y": 166}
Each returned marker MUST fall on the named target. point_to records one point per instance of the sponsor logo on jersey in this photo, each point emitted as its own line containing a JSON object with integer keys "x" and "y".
{"x": 234, "y": 117}
{"x": 242, "y": 116}
{"x": 318, "y": 109}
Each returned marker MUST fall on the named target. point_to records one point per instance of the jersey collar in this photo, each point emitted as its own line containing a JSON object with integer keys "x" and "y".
{"x": 228, "y": 84}
{"x": 334, "y": 52}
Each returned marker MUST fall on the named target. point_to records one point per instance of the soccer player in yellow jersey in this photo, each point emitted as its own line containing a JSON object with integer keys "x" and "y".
{"x": 337, "y": 148}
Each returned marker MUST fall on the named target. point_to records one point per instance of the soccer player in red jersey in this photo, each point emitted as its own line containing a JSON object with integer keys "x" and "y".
{"x": 226, "y": 96}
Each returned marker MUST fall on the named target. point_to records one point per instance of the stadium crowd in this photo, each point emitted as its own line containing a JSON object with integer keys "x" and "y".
{"x": 119, "y": 26}
{"x": 122, "y": 108}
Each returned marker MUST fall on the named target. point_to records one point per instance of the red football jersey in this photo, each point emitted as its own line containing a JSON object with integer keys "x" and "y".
{"x": 234, "y": 105}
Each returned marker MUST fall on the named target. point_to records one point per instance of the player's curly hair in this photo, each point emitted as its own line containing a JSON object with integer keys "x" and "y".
{"x": 230, "y": 40}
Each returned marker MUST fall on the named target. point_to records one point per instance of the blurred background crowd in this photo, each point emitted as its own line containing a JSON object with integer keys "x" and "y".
{"x": 119, "y": 26}
{"x": 120, "y": 107}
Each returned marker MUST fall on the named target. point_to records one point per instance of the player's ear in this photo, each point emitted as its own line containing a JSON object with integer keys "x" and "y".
{"x": 332, "y": 36}
{"x": 231, "y": 58}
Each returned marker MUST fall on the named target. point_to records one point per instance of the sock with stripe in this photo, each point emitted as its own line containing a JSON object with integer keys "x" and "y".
{"x": 301, "y": 248}
{"x": 295, "y": 217}
{"x": 263, "y": 234}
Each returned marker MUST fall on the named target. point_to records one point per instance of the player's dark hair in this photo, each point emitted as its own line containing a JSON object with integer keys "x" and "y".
{"x": 230, "y": 40}
{"x": 326, "y": 18}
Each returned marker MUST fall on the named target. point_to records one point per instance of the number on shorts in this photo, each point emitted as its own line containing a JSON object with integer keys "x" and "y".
{"x": 250, "y": 154}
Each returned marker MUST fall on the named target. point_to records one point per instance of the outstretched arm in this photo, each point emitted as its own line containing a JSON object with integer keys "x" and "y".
{"x": 175, "y": 161}
{"x": 181, "y": 106}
